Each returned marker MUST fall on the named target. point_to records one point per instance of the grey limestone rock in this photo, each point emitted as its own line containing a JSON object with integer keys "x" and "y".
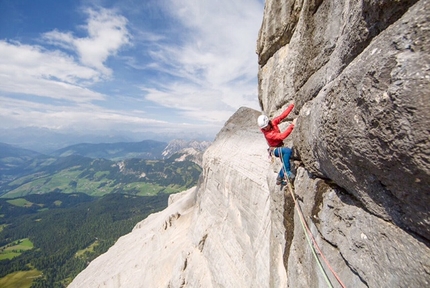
{"x": 368, "y": 129}
{"x": 359, "y": 73}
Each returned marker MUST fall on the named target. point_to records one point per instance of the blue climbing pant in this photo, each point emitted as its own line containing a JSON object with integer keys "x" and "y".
{"x": 285, "y": 154}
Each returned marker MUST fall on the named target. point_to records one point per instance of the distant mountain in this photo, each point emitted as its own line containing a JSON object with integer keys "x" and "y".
{"x": 97, "y": 177}
{"x": 175, "y": 146}
{"x": 137, "y": 168}
{"x": 147, "y": 149}
{"x": 46, "y": 140}
{"x": 13, "y": 158}
{"x": 189, "y": 154}
{"x": 14, "y": 152}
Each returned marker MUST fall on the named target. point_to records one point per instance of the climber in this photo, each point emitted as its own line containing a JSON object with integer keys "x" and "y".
{"x": 275, "y": 139}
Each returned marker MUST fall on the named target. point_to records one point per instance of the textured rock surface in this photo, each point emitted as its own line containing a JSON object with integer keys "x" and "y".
{"x": 358, "y": 72}
{"x": 228, "y": 232}
{"x": 322, "y": 38}
{"x": 370, "y": 126}
{"x": 363, "y": 249}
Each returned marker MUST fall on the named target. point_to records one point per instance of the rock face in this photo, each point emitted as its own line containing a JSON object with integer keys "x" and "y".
{"x": 227, "y": 232}
{"x": 359, "y": 74}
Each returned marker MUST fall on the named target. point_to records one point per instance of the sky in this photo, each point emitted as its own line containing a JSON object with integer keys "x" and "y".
{"x": 132, "y": 67}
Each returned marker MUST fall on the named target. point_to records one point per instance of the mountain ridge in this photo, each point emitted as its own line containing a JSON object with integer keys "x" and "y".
{"x": 147, "y": 149}
{"x": 74, "y": 171}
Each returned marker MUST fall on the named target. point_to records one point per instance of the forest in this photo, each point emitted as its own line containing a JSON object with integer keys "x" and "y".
{"x": 57, "y": 214}
{"x": 67, "y": 231}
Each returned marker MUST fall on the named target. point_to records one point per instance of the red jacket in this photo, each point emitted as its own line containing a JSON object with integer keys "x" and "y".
{"x": 274, "y": 136}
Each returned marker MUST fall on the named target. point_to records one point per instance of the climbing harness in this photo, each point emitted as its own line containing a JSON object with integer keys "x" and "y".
{"x": 309, "y": 235}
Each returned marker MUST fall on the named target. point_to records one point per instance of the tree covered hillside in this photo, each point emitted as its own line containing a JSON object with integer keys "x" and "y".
{"x": 54, "y": 236}
{"x": 58, "y": 213}
{"x": 98, "y": 177}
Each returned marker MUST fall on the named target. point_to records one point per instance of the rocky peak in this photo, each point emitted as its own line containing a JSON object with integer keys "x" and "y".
{"x": 178, "y": 145}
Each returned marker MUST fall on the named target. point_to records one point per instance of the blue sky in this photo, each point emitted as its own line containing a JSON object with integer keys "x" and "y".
{"x": 173, "y": 67}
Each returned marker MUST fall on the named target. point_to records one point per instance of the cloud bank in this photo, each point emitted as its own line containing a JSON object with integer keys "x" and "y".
{"x": 184, "y": 69}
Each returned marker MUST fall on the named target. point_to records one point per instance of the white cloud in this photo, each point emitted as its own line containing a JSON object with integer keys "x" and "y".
{"x": 203, "y": 72}
{"x": 32, "y": 70}
{"x": 17, "y": 113}
{"x": 206, "y": 105}
{"x": 215, "y": 66}
{"x": 223, "y": 37}
{"x": 87, "y": 118}
{"x": 107, "y": 33}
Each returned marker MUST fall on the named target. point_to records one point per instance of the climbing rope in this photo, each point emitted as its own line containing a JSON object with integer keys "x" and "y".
{"x": 309, "y": 235}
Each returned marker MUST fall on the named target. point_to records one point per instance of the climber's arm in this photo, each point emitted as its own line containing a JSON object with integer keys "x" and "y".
{"x": 284, "y": 115}
{"x": 287, "y": 132}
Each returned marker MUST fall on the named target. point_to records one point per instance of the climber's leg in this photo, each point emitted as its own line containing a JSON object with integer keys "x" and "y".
{"x": 285, "y": 154}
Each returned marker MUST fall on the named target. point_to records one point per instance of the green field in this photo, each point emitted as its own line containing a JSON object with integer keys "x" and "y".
{"x": 146, "y": 189}
{"x": 21, "y": 279}
{"x": 23, "y": 180}
{"x": 2, "y": 227}
{"x": 15, "y": 249}
{"x": 91, "y": 187}
{"x": 21, "y": 202}
{"x": 44, "y": 184}
{"x": 89, "y": 249}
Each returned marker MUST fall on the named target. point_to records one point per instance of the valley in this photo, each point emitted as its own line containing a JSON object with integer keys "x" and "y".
{"x": 60, "y": 211}
{"x": 98, "y": 177}
{"x": 72, "y": 170}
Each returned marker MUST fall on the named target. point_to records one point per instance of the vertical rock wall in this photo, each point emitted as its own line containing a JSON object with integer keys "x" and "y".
{"x": 359, "y": 74}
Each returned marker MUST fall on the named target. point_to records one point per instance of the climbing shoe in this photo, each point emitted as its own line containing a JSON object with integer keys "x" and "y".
{"x": 282, "y": 185}
{"x": 281, "y": 182}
